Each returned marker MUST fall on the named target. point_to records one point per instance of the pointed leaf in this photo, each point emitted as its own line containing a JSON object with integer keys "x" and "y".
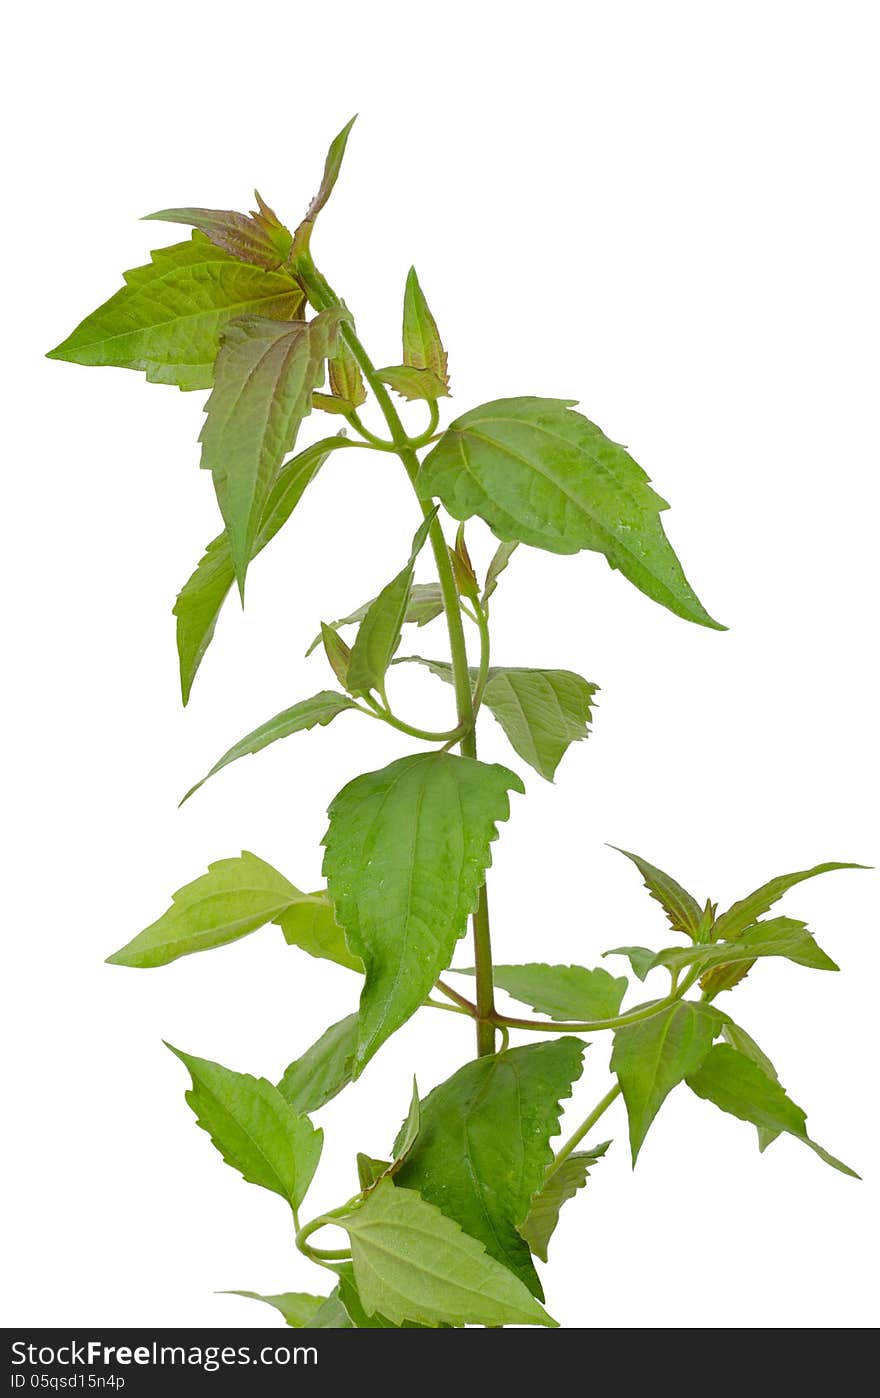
{"x": 741, "y": 915}
{"x": 409, "y": 1131}
{"x": 406, "y": 853}
{"x": 654, "y": 1055}
{"x": 562, "y": 992}
{"x": 684, "y": 912}
{"x": 168, "y": 318}
{"x": 379, "y": 633}
{"x": 337, "y": 652}
{"x": 422, "y": 346}
{"x": 346, "y": 379}
{"x": 780, "y": 936}
{"x": 327, "y": 403}
{"x": 332, "y": 166}
{"x": 309, "y": 923}
{"x": 255, "y": 1130}
{"x": 323, "y": 1070}
{"x": 259, "y": 238}
{"x": 413, "y": 1263}
{"x": 739, "y": 1039}
{"x": 413, "y": 383}
{"x": 541, "y": 474}
{"x": 299, "y": 1308}
{"x": 235, "y": 897}
{"x": 500, "y": 560}
{"x": 483, "y": 1147}
{"x": 425, "y": 603}
{"x": 561, "y": 1183}
{"x": 640, "y": 958}
{"x": 371, "y": 1171}
{"x": 320, "y": 709}
{"x": 738, "y": 1085}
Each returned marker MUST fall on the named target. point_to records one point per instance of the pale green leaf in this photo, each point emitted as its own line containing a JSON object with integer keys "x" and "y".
{"x": 561, "y": 1183}
{"x": 411, "y": 1262}
{"x": 413, "y": 383}
{"x": 483, "y": 1146}
{"x": 379, "y": 633}
{"x": 370, "y": 1170}
{"x": 346, "y": 379}
{"x": 654, "y": 1055}
{"x": 562, "y": 992}
{"x": 332, "y": 166}
{"x": 682, "y": 909}
{"x": 739, "y": 1039}
{"x": 741, "y": 915}
{"x": 323, "y": 1070}
{"x": 299, "y": 1308}
{"x": 781, "y": 936}
{"x": 409, "y": 1131}
{"x": 235, "y": 897}
{"x": 259, "y": 237}
{"x": 169, "y": 317}
{"x": 424, "y": 604}
{"x": 337, "y": 651}
{"x": 254, "y": 1128}
{"x": 500, "y": 560}
{"x": 422, "y": 346}
{"x": 406, "y": 853}
{"x": 332, "y": 1315}
{"x": 640, "y": 958}
{"x": 309, "y": 923}
{"x": 541, "y": 474}
{"x": 350, "y": 1298}
{"x": 329, "y": 403}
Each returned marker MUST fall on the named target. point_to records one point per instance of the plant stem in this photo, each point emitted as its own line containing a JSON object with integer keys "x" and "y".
{"x": 549, "y": 1026}
{"x": 427, "y": 735}
{"x": 586, "y": 1126}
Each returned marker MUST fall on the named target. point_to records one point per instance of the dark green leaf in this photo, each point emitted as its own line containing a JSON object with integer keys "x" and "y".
{"x": 413, "y": 383}
{"x": 562, "y": 992}
{"x": 654, "y": 1055}
{"x": 500, "y": 560}
{"x": 299, "y": 1308}
{"x": 168, "y": 318}
{"x": 640, "y": 958}
{"x": 309, "y": 923}
{"x": 422, "y": 346}
{"x": 379, "y": 633}
{"x": 320, "y": 709}
{"x": 781, "y": 936}
{"x": 254, "y": 1128}
{"x": 259, "y": 238}
{"x": 739, "y": 1085}
{"x": 561, "y": 1183}
{"x": 407, "y": 851}
{"x": 741, "y": 915}
{"x": 739, "y": 1039}
{"x": 323, "y": 1070}
{"x": 483, "y": 1147}
{"x": 235, "y": 897}
{"x": 411, "y": 1262}
{"x": 541, "y": 474}
{"x": 425, "y": 603}
{"x": 684, "y": 912}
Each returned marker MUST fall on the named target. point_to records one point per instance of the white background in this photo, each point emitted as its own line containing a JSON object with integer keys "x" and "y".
{"x": 666, "y": 211}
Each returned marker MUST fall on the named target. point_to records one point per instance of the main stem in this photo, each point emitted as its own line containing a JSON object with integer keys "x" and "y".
{"x": 322, "y": 297}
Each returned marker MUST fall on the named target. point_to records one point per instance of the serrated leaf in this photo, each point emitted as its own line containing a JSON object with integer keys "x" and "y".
{"x": 350, "y": 1298}
{"x": 321, "y": 709}
{"x": 346, "y": 379}
{"x": 682, "y": 909}
{"x": 411, "y": 1262}
{"x": 541, "y": 711}
{"x": 741, "y": 915}
{"x": 406, "y": 853}
{"x": 254, "y": 1128}
{"x": 379, "y": 633}
{"x": 259, "y": 238}
{"x": 483, "y": 1147}
{"x": 739, "y": 1039}
{"x": 413, "y": 383}
{"x": 500, "y": 559}
{"x": 328, "y": 403}
{"x": 562, "y": 992}
{"x": 425, "y": 603}
{"x": 309, "y": 923}
{"x": 561, "y": 1183}
{"x": 640, "y": 958}
{"x": 654, "y": 1055}
{"x": 422, "y": 346}
{"x": 265, "y": 374}
{"x": 781, "y": 936}
{"x": 235, "y": 897}
{"x": 201, "y": 598}
{"x": 540, "y": 474}
{"x": 299, "y": 1308}
{"x": 738, "y": 1085}
{"x": 321, "y": 1073}
{"x": 169, "y": 317}
{"x": 332, "y": 166}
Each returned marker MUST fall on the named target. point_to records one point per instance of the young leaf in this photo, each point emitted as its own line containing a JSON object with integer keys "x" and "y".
{"x": 740, "y": 1086}
{"x": 413, "y": 383}
{"x": 332, "y": 166}
{"x": 379, "y": 633}
{"x": 406, "y": 853}
{"x": 500, "y": 560}
{"x": 739, "y": 1039}
{"x": 309, "y": 923}
{"x": 561, "y": 1183}
{"x": 169, "y": 317}
{"x": 327, "y": 403}
{"x": 562, "y": 992}
{"x": 463, "y": 568}
{"x": 346, "y": 379}
{"x": 254, "y": 1128}
{"x": 264, "y": 376}
{"x": 202, "y": 596}
{"x": 422, "y": 346}
{"x": 320, "y": 709}
{"x": 425, "y": 603}
{"x": 299, "y": 1308}
{"x": 684, "y": 912}
{"x": 259, "y": 238}
{"x": 370, "y": 1171}
{"x": 483, "y": 1147}
{"x": 411, "y": 1262}
{"x": 332, "y": 1315}
{"x": 323, "y": 1070}
{"x": 741, "y": 915}
{"x": 337, "y": 652}
{"x": 781, "y": 936}
{"x": 654, "y": 1055}
{"x": 235, "y": 897}
{"x": 409, "y": 1131}
{"x": 640, "y": 958}
{"x": 541, "y": 474}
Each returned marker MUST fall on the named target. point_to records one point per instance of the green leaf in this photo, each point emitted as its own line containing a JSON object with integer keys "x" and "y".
{"x": 327, "y": 403}
{"x": 781, "y": 936}
{"x": 425, "y": 603}
{"x": 202, "y": 596}
{"x": 168, "y": 318}
{"x": 561, "y": 1183}
{"x": 743, "y": 914}
{"x": 422, "y": 346}
{"x": 324, "y": 1070}
{"x": 413, "y": 383}
{"x": 370, "y": 1170}
{"x": 235, "y": 897}
{"x": 406, "y": 853}
{"x": 254, "y": 1128}
{"x": 483, "y": 1147}
{"x": 654, "y": 1055}
{"x": 379, "y": 633}
{"x": 682, "y": 909}
{"x": 350, "y": 1298}
{"x": 310, "y": 924}
{"x": 411, "y": 1262}
{"x": 346, "y": 379}
{"x": 739, "y": 1039}
{"x": 337, "y": 652}
{"x": 320, "y": 709}
{"x": 541, "y": 474}
{"x": 259, "y": 238}
{"x": 264, "y": 376}
{"x": 332, "y": 166}
{"x": 500, "y": 560}
{"x": 332, "y": 1315}
{"x": 640, "y": 958}
{"x": 740, "y": 1086}
{"x": 409, "y": 1131}
{"x": 541, "y": 711}
{"x": 562, "y": 992}
{"x": 299, "y": 1308}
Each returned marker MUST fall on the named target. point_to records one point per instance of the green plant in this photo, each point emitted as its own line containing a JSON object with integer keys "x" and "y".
{"x": 445, "y": 1230}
